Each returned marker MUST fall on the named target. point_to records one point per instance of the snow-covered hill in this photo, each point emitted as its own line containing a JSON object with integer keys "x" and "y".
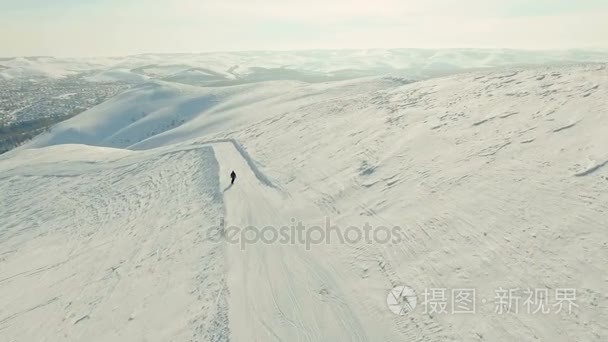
{"x": 230, "y": 68}
{"x": 497, "y": 180}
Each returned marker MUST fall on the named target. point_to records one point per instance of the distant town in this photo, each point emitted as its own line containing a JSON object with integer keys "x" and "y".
{"x": 28, "y": 106}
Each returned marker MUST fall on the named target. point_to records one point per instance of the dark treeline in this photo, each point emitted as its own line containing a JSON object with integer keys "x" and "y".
{"x": 15, "y": 134}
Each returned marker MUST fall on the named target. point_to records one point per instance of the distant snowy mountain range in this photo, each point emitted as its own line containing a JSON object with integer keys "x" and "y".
{"x": 232, "y": 68}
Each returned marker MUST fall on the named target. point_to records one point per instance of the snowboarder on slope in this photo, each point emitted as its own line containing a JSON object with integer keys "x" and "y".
{"x": 232, "y": 176}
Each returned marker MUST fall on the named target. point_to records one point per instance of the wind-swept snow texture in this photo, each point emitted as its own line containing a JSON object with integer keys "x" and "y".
{"x": 498, "y": 180}
{"x": 104, "y": 245}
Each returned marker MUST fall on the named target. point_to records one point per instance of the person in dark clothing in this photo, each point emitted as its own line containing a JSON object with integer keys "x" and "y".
{"x": 232, "y": 176}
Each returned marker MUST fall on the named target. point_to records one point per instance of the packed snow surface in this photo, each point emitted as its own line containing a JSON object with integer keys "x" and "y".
{"x": 111, "y": 224}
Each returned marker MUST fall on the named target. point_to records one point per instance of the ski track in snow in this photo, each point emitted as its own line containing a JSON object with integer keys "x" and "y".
{"x": 285, "y": 308}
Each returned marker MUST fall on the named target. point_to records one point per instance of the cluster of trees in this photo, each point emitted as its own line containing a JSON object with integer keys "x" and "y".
{"x": 15, "y": 134}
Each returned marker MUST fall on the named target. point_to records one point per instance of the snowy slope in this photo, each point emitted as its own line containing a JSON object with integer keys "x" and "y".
{"x": 497, "y": 179}
{"x": 100, "y": 253}
{"x": 117, "y": 75}
{"x": 158, "y": 113}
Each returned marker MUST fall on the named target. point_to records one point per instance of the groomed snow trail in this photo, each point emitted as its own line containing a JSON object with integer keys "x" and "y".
{"x": 278, "y": 292}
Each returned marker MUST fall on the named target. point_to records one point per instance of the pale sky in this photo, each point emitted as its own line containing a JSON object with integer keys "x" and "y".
{"x": 122, "y": 27}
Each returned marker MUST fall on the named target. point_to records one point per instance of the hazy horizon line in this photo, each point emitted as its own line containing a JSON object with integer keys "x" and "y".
{"x": 539, "y": 50}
